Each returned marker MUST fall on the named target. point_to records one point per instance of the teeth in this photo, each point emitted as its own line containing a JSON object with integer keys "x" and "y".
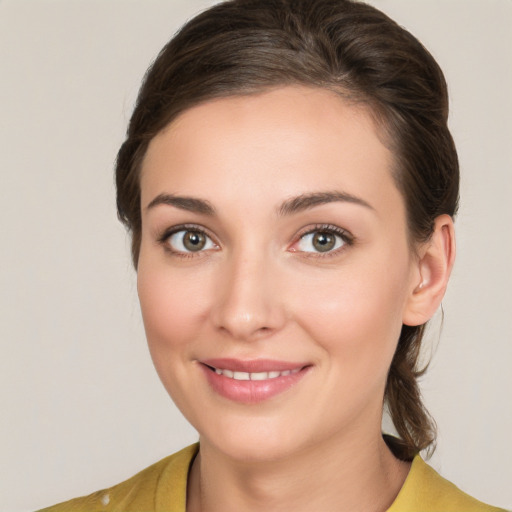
{"x": 241, "y": 376}
{"x": 255, "y": 376}
{"x": 259, "y": 376}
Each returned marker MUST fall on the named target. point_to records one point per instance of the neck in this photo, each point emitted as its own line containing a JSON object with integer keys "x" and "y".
{"x": 340, "y": 475}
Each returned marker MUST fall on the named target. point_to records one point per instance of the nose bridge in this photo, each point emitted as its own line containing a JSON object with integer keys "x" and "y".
{"x": 248, "y": 302}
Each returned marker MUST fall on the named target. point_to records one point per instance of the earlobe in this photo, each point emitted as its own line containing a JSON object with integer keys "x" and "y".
{"x": 434, "y": 266}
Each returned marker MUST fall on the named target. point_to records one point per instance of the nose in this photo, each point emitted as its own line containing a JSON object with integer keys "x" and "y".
{"x": 248, "y": 302}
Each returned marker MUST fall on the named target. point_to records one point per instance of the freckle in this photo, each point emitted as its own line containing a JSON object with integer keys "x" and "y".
{"x": 105, "y": 499}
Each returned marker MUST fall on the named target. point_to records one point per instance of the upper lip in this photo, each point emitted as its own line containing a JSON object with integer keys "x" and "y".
{"x": 252, "y": 365}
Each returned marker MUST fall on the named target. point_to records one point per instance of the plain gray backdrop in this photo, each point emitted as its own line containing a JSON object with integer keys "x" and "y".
{"x": 81, "y": 407}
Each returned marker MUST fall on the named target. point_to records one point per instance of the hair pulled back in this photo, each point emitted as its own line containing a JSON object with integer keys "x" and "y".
{"x": 243, "y": 47}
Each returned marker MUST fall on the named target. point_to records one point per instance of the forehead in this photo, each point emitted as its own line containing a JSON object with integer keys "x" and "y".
{"x": 288, "y": 141}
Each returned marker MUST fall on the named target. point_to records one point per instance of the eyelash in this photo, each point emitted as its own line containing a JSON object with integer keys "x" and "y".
{"x": 347, "y": 238}
{"x": 163, "y": 239}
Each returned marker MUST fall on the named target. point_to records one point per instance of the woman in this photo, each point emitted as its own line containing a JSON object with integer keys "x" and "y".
{"x": 290, "y": 182}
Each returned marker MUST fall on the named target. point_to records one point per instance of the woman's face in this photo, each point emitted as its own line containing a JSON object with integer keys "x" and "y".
{"x": 274, "y": 270}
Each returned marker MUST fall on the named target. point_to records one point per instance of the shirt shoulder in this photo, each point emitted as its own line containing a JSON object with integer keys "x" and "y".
{"x": 161, "y": 487}
{"x": 425, "y": 490}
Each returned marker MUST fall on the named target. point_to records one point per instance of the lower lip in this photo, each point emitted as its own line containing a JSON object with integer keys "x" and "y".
{"x": 251, "y": 391}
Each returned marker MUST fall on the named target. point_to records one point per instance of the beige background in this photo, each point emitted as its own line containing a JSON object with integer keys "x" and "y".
{"x": 81, "y": 407}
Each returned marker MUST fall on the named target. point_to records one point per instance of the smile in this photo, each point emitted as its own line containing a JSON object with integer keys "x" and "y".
{"x": 230, "y": 374}
{"x": 250, "y": 382}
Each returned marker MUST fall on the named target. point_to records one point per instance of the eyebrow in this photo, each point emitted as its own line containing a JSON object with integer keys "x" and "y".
{"x": 290, "y": 206}
{"x": 307, "y": 201}
{"x": 191, "y": 204}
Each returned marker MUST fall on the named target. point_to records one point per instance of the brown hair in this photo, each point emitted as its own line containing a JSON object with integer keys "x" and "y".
{"x": 243, "y": 47}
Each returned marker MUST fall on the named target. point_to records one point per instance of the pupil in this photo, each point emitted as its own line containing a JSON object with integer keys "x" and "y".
{"x": 323, "y": 242}
{"x": 194, "y": 241}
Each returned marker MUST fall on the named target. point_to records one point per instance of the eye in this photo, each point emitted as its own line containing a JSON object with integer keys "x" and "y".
{"x": 189, "y": 240}
{"x": 323, "y": 240}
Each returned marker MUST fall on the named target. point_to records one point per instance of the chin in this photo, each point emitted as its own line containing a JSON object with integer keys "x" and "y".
{"x": 252, "y": 440}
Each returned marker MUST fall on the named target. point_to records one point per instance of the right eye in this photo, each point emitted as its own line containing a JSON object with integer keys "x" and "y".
{"x": 189, "y": 241}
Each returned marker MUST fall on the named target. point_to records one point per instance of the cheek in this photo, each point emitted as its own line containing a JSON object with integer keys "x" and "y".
{"x": 171, "y": 304}
{"x": 355, "y": 314}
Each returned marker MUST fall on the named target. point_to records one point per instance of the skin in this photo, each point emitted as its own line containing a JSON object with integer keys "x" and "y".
{"x": 261, "y": 290}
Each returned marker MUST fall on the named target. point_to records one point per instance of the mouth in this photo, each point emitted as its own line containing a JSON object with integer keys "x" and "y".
{"x": 254, "y": 381}
{"x": 273, "y": 374}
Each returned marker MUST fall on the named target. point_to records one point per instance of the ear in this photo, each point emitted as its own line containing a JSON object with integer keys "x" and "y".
{"x": 431, "y": 273}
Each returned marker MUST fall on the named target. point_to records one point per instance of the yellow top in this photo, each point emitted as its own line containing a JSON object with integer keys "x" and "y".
{"x": 162, "y": 487}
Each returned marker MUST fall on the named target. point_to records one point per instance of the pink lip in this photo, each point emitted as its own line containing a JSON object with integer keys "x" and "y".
{"x": 251, "y": 391}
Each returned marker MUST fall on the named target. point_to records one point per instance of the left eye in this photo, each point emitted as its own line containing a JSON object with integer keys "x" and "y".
{"x": 189, "y": 240}
{"x": 320, "y": 241}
